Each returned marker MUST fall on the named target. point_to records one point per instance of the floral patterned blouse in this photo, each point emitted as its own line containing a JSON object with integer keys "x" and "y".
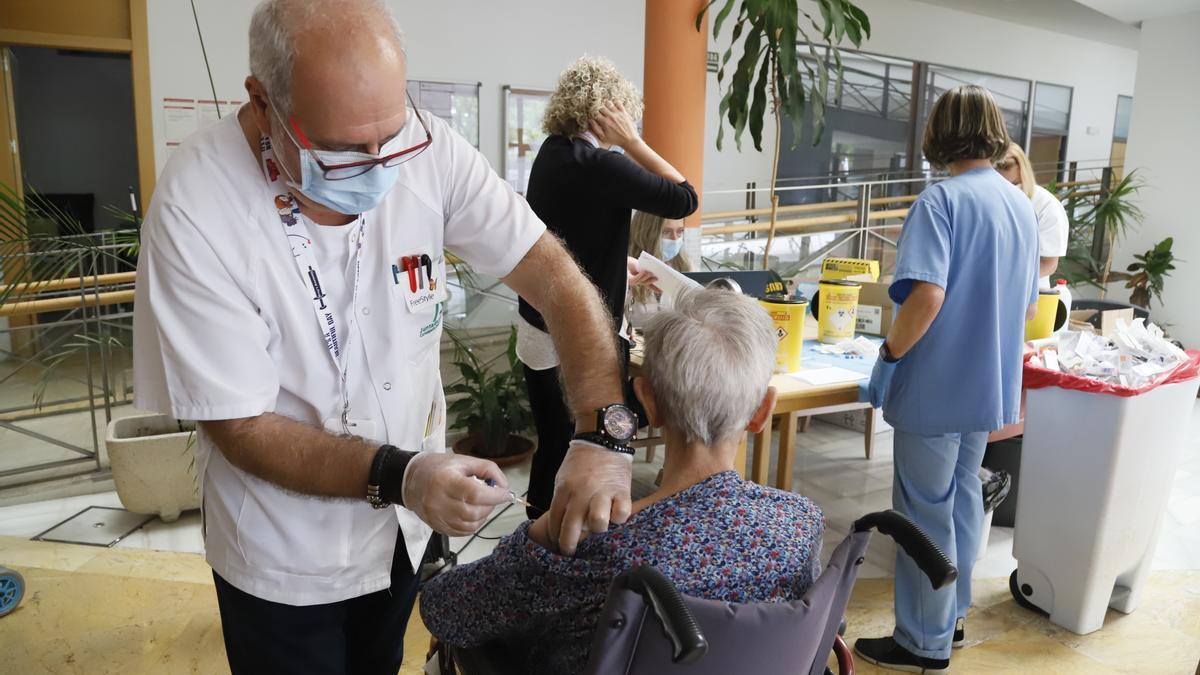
{"x": 724, "y": 538}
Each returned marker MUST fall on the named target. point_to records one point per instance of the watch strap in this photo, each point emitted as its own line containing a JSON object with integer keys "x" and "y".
{"x": 603, "y": 441}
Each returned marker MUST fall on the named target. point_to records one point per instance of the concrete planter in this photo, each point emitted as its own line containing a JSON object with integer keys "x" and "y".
{"x": 152, "y": 465}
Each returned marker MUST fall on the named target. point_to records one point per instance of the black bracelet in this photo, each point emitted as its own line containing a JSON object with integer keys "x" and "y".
{"x": 885, "y": 353}
{"x": 603, "y": 441}
{"x": 385, "y": 483}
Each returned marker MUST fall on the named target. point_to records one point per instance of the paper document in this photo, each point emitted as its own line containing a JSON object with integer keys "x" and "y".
{"x": 670, "y": 281}
{"x": 831, "y": 375}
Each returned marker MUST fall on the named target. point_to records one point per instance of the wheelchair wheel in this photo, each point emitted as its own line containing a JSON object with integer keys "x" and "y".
{"x": 1015, "y": 589}
{"x": 12, "y": 589}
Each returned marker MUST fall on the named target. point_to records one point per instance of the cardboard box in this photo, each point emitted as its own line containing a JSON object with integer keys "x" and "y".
{"x": 875, "y": 308}
{"x": 856, "y": 269}
{"x": 1081, "y": 319}
{"x": 856, "y": 420}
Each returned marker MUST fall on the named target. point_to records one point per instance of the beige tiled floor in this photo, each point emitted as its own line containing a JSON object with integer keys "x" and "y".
{"x": 93, "y": 610}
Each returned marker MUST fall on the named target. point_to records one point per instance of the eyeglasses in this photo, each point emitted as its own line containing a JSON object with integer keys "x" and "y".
{"x": 340, "y": 165}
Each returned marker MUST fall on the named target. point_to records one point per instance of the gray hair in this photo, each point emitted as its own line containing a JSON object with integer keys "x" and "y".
{"x": 275, "y": 23}
{"x": 709, "y": 362}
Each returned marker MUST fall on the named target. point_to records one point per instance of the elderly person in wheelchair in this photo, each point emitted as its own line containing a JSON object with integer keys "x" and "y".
{"x": 714, "y": 535}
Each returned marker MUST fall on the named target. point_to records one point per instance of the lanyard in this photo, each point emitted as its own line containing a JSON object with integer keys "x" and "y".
{"x": 296, "y": 233}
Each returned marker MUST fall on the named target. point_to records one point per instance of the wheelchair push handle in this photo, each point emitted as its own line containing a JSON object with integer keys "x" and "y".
{"x": 929, "y": 558}
{"x": 687, "y": 640}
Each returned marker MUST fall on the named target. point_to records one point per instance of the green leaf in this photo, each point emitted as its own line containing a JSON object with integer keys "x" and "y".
{"x": 759, "y": 105}
{"x": 740, "y": 86}
{"x": 720, "y": 19}
{"x": 861, "y": 18}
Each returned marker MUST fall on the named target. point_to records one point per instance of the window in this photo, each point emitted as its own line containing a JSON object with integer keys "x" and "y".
{"x": 457, "y": 104}
{"x": 523, "y": 135}
{"x": 1121, "y": 130}
{"x": 1051, "y": 120}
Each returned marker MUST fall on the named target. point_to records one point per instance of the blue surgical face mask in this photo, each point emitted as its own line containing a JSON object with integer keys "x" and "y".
{"x": 670, "y": 248}
{"x": 350, "y": 196}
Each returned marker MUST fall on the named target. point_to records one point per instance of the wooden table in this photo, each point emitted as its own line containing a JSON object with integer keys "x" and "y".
{"x": 794, "y": 398}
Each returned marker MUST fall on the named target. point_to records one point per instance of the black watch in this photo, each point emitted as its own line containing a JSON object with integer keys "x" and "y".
{"x": 885, "y": 353}
{"x": 616, "y": 425}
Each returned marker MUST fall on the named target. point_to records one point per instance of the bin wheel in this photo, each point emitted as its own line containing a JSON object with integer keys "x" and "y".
{"x": 1015, "y": 589}
{"x": 12, "y": 589}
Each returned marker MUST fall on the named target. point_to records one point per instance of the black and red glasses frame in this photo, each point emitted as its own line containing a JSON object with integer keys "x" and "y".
{"x": 352, "y": 169}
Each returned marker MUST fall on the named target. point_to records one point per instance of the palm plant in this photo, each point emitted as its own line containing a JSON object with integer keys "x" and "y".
{"x": 1094, "y": 229}
{"x": 41, "y": 243}
{"x": 770, "y": 69}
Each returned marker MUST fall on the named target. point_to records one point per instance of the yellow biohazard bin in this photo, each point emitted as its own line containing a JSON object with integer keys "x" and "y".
{"x": 1042, "y": 324}
{"x": 838, "y": 310}
{"x": 788, "y": 316}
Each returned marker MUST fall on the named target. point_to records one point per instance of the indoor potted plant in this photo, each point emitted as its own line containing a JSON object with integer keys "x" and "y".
{"x": 153, "y": 467}
{"x": 493, "y": 406}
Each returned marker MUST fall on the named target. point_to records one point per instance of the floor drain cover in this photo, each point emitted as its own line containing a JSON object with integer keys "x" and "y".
{"x": 96, "y": 526}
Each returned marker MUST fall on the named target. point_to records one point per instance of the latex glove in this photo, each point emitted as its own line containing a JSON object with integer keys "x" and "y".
{"x": 612, "y": 125}
{"x": 590, "y": 491}
{"x": 442, "y": 490}
{"x": 881, "y": 381}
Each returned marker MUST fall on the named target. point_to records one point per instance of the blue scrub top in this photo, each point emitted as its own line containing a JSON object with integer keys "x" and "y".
{"x": 974, "y": 235}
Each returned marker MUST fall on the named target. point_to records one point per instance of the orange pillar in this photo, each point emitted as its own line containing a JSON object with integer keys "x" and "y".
{"x": 674, "y": 79}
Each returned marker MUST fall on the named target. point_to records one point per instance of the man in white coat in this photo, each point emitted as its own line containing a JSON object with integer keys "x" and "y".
{"x": 288, "y": 299}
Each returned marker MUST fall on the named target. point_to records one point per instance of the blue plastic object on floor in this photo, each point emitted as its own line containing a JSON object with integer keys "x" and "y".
{"x": 12, "y": 589}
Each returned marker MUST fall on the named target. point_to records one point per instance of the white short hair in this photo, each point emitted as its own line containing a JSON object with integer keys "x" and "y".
{"x": 709, "y": 362}
{"x": 275, "y": 23}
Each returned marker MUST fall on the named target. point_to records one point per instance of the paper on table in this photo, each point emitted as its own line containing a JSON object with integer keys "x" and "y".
{"x": 830, "y": 375}
{"x": 670, "y": 281}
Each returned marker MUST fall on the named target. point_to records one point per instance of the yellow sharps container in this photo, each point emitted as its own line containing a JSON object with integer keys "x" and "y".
{"x": 788, "y": 316}
{"x": 1042, "y": 324}
{"x": 838, "y": 310}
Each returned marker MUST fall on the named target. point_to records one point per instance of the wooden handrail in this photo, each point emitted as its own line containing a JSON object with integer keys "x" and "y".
{"x": 61, "y": 304}
{"x": 77, "y": 283}
{"x": 803, "y": 208}
{"x": 1075, "y": 183}
{"x": 782, "y": 226}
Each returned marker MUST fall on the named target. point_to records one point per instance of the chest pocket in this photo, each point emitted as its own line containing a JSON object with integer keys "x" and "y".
{"x": 419, "y": 292}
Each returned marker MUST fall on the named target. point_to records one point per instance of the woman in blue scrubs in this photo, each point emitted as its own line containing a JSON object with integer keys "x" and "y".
{"x": 949, "y": 371}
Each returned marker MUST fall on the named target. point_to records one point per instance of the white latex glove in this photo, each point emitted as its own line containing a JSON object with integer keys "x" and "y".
{"x": 442, "y": 490}
{"x": 590, "y": 491}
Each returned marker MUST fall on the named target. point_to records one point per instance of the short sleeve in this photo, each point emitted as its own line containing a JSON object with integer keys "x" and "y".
{"x": 923, "y": 252}
{"x": 487, "y": 223}
{"x": 1053, "y": 226}
{"x": 200, "y": 346}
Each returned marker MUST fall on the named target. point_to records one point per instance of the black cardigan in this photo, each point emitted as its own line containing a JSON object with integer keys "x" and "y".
{"x": 585, "y": 195}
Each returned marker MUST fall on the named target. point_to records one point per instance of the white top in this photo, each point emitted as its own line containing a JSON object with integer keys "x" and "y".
{"x": 1053, "y": 227}
{"x": 224, "y": 328}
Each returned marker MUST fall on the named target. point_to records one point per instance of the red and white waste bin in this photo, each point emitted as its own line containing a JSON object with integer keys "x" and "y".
{"x": 1096, "y": 471}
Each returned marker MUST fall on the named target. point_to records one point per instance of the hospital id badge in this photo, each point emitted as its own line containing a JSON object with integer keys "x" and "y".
{"x": 363, "y": 428}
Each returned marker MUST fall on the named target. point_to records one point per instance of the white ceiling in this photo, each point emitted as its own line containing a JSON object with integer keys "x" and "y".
{"x": 1061, "y": 16}
{"x": 1134, "y": 11}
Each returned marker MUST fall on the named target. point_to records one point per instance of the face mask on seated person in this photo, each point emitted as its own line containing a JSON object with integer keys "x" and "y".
{"x": 671, "y": 248}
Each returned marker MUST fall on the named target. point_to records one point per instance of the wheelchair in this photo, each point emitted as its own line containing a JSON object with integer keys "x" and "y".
{"x": 648, "y": 627}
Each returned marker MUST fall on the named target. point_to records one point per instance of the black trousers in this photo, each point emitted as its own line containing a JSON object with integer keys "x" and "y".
{"x": 360, "y": 635}
{"x": 555, "y": 427}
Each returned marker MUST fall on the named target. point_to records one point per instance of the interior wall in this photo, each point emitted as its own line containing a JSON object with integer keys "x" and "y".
{"x": 522, "y": 44}
{"x": 909, "y": 29}
{"x": 1164, "y": 142}
{"x": 75, "y": 125}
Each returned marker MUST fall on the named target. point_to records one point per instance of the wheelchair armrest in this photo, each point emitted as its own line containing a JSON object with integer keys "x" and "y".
{"x": 929, "y": 558}
{"x": 687, "y": 640}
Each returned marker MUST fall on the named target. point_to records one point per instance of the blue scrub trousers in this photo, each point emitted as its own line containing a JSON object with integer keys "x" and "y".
{"x": 937, "y": 485}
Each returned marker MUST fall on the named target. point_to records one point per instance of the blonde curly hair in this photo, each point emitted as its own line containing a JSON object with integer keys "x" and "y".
{"x": 583, "y": 88}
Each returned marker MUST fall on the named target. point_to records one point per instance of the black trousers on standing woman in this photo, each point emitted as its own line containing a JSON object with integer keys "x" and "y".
{"x": 555, "y": 427}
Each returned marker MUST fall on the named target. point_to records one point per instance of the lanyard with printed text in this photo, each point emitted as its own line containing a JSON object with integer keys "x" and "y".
{"x": 296, "y": 233}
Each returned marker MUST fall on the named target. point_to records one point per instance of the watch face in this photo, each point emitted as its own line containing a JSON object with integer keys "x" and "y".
{"x": 620, "y": 423}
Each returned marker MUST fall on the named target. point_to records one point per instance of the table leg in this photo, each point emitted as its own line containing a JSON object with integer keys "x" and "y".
{"x": 805, "y": 423}
{"x": 739, "y": 460}
{"x": 760, "y": 462}
{"x": 869, "y": 438}
{"x": 787, "y": 449}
